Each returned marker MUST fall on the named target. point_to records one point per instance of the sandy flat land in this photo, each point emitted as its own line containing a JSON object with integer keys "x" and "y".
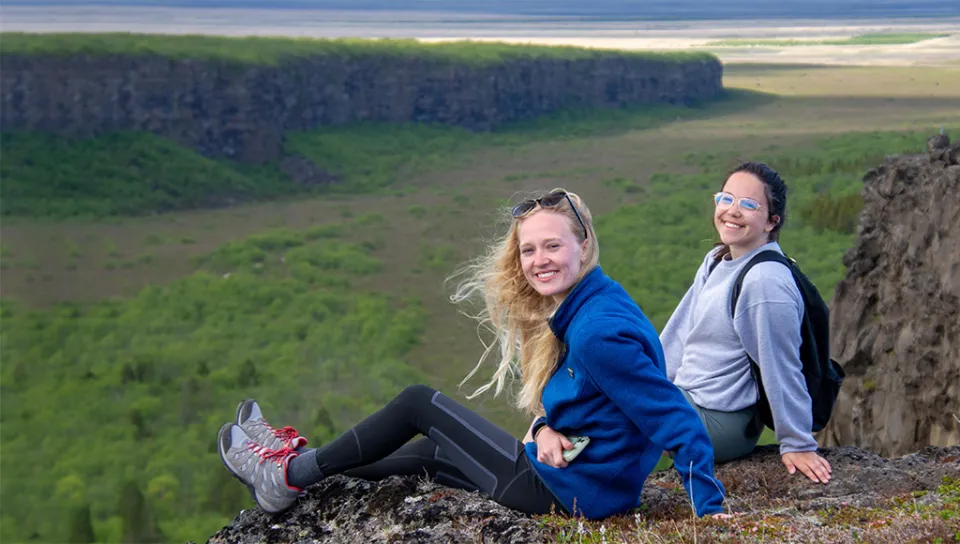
{"x": 439, "y": 26}
{"x": 935, "y": 52}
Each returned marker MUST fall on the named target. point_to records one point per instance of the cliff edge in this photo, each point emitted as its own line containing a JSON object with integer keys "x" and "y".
{"x": 240, "y": 110}
{"x": 896, "y": 315}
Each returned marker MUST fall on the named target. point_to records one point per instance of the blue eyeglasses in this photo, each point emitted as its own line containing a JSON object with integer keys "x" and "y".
{"x": 725, "y": 200}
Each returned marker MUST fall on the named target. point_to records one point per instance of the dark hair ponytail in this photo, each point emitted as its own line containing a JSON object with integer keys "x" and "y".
{"x": 775, "y": 190}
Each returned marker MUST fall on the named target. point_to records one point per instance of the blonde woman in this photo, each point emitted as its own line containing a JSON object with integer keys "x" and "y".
{"x": 590, "y": 360}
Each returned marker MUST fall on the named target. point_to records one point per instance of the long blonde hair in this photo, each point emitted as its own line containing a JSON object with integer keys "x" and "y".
{"x": 517, "y": 314}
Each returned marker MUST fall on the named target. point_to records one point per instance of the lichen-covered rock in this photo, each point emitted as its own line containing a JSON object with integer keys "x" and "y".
{"x": 859, "y": 478}
{"x": 398, "y": 509}
{"x": 896, "y": 315}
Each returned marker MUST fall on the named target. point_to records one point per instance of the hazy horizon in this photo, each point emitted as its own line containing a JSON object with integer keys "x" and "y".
{"x": 609, "y": 10}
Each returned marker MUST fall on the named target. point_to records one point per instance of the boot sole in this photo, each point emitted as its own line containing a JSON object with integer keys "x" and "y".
{"x": 223, "y": 459}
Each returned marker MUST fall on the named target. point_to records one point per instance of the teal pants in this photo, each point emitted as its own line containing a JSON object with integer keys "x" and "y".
{"x": 733, "y": 434}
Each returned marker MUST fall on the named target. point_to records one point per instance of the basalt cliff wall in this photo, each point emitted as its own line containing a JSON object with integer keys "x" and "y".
{"x": 242, "y": 111}
{"x": 896, "y": 315}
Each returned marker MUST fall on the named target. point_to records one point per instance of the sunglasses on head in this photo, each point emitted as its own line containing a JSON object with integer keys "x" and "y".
{"x": 725, "y": 200}
{"x": 549, "y": 201}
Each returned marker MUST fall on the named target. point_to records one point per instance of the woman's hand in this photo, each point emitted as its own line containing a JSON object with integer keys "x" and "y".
{"x": 722, "y": 516}
{"x": 810, "y": 463}
{"x": 550, "y": 447}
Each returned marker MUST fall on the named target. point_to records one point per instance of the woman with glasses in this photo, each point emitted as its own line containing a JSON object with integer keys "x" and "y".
{"x": 591, "y": 366}
{"x": 708, "y": 350}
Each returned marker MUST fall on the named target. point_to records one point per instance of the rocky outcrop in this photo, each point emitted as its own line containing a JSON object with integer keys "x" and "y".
{"x": 896, "y": 314}
{"x": 401, "y": 509}
{"x": 241, "y": 111}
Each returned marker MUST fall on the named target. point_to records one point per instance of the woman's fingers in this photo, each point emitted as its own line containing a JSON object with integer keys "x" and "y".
{"x": 822, "y": 469}
{"x": 808, "y": 470}
{"x": 810, "y": 464}
{"x": 550, "y": 447}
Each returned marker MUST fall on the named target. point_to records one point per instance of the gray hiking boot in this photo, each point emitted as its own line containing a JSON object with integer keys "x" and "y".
{"x": 251, "y": 420}
{"x": 262, "y": 470}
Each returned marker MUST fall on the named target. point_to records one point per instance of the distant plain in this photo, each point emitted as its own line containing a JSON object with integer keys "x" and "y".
{"x": 549, "y": 30}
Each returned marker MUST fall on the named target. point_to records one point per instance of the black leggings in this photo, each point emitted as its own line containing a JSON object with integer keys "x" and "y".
{"x": 461, "y": 450}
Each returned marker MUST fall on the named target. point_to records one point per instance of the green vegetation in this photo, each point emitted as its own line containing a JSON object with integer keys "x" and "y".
{"x": 274, "y": 50}
{"x": 136, "y": 173}
{"x": 892, "y": 38}
{"x": 124, "y": 173}
{"x": 114, "y": 404}
{"x": 438, "y": 256}
{"x": 834, "y": 212}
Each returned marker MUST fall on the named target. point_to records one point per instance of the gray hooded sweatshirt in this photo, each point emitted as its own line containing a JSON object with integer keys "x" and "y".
{"x": 706, "y": 349}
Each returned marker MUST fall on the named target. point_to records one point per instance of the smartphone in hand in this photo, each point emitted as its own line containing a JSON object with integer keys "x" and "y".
{"x": 579, "y": 443}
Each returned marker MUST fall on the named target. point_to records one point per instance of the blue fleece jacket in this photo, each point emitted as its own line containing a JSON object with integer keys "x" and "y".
{"x": 611, "y": 385}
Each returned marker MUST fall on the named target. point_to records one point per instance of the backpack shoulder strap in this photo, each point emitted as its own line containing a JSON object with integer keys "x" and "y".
{"x": 764, "y": 415}
{"x": 712, "y": 266}
{"x": 762, "y": 257}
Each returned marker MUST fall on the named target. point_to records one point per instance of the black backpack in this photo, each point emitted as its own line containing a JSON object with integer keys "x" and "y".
{"x": 823, "y": 375}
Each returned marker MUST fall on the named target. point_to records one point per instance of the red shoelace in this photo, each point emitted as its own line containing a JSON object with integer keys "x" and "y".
{"x": 266, "y": 454}
{"x": 287, "y": 434}
{"x": 277, "y": 456}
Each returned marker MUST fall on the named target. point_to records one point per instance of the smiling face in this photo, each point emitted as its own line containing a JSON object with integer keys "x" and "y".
{"x": 550, "y": 254}
{"x": 744, "y": 231}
